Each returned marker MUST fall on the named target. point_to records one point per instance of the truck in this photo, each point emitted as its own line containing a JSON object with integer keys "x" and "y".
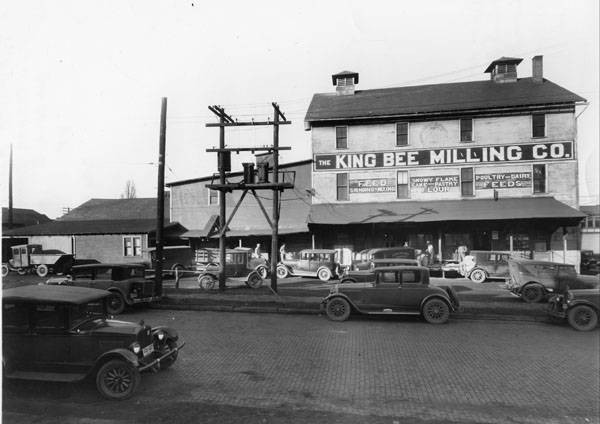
{"x": 32, "y": 258}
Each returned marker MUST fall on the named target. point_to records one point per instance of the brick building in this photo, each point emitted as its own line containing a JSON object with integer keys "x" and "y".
{"x": 490, "y": 164}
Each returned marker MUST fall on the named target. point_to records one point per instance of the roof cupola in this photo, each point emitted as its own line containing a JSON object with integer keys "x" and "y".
{"x": 345, "y": 82}
{"x": 504, "y": 69}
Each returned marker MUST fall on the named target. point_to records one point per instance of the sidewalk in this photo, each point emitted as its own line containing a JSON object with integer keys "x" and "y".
{"x": 303, "y": 296}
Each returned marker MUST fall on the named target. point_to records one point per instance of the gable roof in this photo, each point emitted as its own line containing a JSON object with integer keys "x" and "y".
{"x": 590, "y": 209}
{"x": 103, "y": 209}
{"x": 24, "y": 217}
{"x": 460, "y": 97}
{"x": 90, "y": 227}
{"x": 503, "y": 59}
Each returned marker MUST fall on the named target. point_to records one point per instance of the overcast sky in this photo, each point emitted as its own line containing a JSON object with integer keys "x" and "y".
{"x": 81, "y": 82}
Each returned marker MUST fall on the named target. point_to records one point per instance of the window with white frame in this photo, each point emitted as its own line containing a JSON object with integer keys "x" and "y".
{"x": 132, "y": 246}
{"x": 213, "y": 197}
{"x": 342, "y": 186}
{"x": 402, "y": 187}
{"x": 466, "y": 181}
{"x": 539, "y": 178}
{"x": 466, "y": 129}
{"x": 402, "y": 134}
{"x": 341, "y": 137}
{"x": 538, "y": 125}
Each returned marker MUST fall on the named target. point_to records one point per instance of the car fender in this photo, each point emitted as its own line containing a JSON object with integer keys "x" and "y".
{"x": 119, "y": 290}
{"x": 584, "y": 302}
{"x": 119, "y": 353}
{"x": 537, "y": 283}
{"x": 347, "y": 280}
{"x": 342, "y": 295}
{"x": 289, "y": 268}
{"x": 444, "y": 297}
{"x": 170, "y": 332}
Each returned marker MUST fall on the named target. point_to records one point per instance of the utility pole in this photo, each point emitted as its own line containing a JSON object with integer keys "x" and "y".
{"x": 10, "y": 190}
{"x": 160, "y": 207}
{"x": 249, "y": 183}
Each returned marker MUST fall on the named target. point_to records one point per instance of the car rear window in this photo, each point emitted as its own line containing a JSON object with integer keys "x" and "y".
{"x": 14, "y": 316}
{"x": 49, "y": 317}
{"x": 409, "y": 277}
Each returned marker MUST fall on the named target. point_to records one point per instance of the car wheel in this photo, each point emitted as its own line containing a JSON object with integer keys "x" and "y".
{"x": 42, "y": 270}
{"x": 436, "y": 311}
{"x": 478, "y": 276}
{"x": 21, "y": 271}
{"x": 116, "y": 304}
{"x": 262, "y": 271}
{"x": 347, "y": 281}
{"x": 338, "y": 309}
{"x": 532, "y": 293}
{"x": 582, "y": 318}
{"x": 169, "y": 346}
{"x": 282, "y": 271}
{"x": 324, "y": 274}
{"x": 254, "y": 281}
{"x": 207, "y": 282}
{"x": 117, "y": 379}
{"x": 4, "y": 270}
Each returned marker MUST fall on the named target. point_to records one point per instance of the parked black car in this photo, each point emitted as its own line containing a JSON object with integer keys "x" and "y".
{"x": 62, "y": 333}
{"x": 127, "y": 283}
{"x": 579, "y": 307}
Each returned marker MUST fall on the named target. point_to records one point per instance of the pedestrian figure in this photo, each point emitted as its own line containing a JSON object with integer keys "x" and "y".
{"x": 282, "y": 252}
{"x": 430, "y": 252}
{"x": 257, "y": 252}
{"x": 405, "y": 244}
{"x": 462, "y": 252}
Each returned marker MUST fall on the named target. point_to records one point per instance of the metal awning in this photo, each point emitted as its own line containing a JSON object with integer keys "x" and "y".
{"x": 444, "y": 210}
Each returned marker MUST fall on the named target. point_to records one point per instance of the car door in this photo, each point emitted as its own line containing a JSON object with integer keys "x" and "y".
{"x": 413, "y": 291}
{"x": 50, "y": 338}
{"x": 384, "y": 294}
{"x": 17, "y": 342}
{"x": 501, "y": 268}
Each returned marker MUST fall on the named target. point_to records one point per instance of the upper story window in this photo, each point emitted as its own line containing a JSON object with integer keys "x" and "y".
{"x": 591, "y": 222}
{"x": 466, "y": 129}
{"x": 466, "y": 181}
{"x": 342, "y": 186}
{"x": 132, "y": 246}
{"x": 402, "y": 134}
{"x": 402, "y": 188}
{"x": 538, "y": 125}
{"x": 213, "y": 197}
{"x": 539, "y": 178}
{"x": 341, "y": 137}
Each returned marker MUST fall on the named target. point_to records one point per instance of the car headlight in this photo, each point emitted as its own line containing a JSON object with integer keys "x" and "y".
{"x": 569, "y": 297}
{"x": 135, "y": 347}
{"x": 160, "y": 335}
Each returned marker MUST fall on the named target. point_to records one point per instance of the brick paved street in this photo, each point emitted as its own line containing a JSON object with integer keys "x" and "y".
{"x": 304, "y": 368}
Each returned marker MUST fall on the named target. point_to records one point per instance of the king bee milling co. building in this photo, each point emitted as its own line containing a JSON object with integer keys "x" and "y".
{"x": 487, "y": 164}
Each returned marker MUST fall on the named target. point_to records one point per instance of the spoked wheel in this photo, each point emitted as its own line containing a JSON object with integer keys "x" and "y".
{"x": 532, "y": 293}
{"x": 478, "y": 276}
{"x": 4, "y": 270}
{"x": 282, "y": 271}
{"x": 436, "y": 311}
{"x": 324, "y": 274}
{"x": 117, "y": 379}
{"x": 21, "y": 271}
{"x": 42, "y": 270}
{"x": 262, "y": 271}
{"x": 206, "y": 281}
{"x": 338, "y": 309}
{"x": 116, "y": 304}
{"x": 582, "y": 318}
{"x": 254, "y": 280}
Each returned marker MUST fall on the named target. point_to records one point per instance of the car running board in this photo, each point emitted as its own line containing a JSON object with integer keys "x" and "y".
{"x": 390, "y": 312}
{"x": 46, "y": 376}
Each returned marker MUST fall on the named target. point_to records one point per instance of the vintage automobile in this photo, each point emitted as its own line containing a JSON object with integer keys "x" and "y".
{"x": 319, "y": 263}
{"x": 351, "y": 276}
{"x": 364, "y": 258}
{"x": 209, "y": 257}
{"x": 590, "y": 262}
{"x": 174, "y": 258}
{"x": 127, "y": 283}
{"x": 479, "y": 265}
{"x": 534, "y": 280}
{"x": 398, "y": 290}
{"x": 32, "y": 258}
{"x": 580, "y": 308}
{"x": 239, "y": 267}
{"x": 63, "y": 334}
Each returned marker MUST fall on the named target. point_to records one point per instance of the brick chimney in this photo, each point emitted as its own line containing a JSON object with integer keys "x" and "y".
{"x": 537, "y": 68}
{"x": 345, "y": 82}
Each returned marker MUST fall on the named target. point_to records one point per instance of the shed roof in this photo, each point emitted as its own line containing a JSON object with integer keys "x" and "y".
{"x": 87, "y": 227}
{"x": 52, "y": 294}
{"x": 117, "y": 209}
{"x": 503, "y": 59}
{"x": 422, "y": 100}
{"x": 24, "y": 217}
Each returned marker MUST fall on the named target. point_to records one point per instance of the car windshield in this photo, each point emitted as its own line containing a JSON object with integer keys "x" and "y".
{"x": 87, "y": 312}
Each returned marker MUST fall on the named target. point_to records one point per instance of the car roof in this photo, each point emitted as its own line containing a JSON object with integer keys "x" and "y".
{"x": 108, "y": 265}
{"x": 402, "y": 268}
{"x": 393, "y": 260}
{"x": 536, "y": 262}
{"x": 388, "y": 249}
{"x": 318, "y": 251}
{"x": 52, "y": 294}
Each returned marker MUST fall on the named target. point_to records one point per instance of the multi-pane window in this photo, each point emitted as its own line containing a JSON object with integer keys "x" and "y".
{"x": 402, "y": 189}
{"x": 466, "y": 181}
{"x": 342, "y": 186}
{"x": 213, "y": 197}
{"x": 402, "y": 134}
{"x": 132, "y": 246}
{"x": 539, "y": 178}
{"x": 340, "y": 81}
{"x": 504, "y": 68}
{"x": 341, "y": 137}
{"x": 466, "y": 129}
{"x": 538, "y": 125}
